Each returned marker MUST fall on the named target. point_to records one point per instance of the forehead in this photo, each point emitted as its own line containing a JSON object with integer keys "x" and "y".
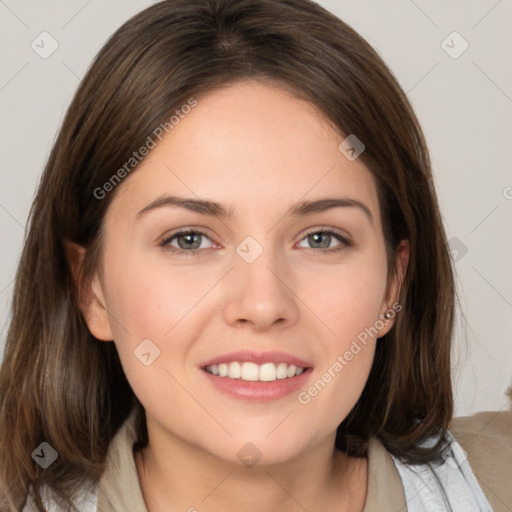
{"x": 253, "y": 146}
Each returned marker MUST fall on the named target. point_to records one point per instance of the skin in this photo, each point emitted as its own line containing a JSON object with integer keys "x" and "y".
{"x": 259, "y": 150}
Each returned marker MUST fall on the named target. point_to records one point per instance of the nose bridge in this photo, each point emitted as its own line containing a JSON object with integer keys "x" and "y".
{"x": 258, "y": 290}
{"x": 258, "y": 266}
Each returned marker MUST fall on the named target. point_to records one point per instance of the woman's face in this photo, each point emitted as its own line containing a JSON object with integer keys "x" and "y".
{"x": 282, "y": 287}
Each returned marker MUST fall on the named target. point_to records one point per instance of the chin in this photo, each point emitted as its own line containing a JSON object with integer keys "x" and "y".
{"x": 256, "y": 451}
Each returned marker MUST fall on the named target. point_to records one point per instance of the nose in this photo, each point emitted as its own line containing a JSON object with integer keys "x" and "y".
{"x": 260, "y": 294}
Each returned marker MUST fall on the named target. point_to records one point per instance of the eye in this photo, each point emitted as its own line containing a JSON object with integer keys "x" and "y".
{"x": 188, "y": 241}
{"x": 322, "y": 238}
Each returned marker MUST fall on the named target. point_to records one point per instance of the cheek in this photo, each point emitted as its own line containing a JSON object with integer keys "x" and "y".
{"x": 151, "y": 301}
{"x": 147, "y": 296}
{"x": 351, "y": 311}
{"x": 349, "y": 298}
{"x": 350, "y": 306}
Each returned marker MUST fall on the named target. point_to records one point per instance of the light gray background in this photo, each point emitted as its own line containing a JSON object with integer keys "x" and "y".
{"x": 464, "y": 105}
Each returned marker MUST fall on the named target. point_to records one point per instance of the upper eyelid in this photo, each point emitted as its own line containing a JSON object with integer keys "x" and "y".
{"x": 185, "y": 231}
{"x": 336, "y": 231}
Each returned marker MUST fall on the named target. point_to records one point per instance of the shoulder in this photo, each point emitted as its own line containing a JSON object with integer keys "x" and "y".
{"x": 486, "y": 439}
{"x": 85, "y": 501}
{"x": 447, "y": 483}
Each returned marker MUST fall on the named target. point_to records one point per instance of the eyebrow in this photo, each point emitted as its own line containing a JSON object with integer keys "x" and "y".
{"x": 212, "y": 208}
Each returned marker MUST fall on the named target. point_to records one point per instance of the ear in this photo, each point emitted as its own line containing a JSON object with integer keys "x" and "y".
{"x": 90, "y": 296}
{"x": 393, "y": 289}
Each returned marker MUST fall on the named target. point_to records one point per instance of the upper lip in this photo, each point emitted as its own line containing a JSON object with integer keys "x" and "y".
{"x": 258, "y": 357}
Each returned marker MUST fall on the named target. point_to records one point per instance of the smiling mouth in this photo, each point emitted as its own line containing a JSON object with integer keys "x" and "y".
{"x": 252, "y": 372}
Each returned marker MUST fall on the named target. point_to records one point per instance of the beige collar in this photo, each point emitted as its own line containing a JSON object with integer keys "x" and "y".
{"x": 119, "y": 487}
{"x": 385, "y": 489}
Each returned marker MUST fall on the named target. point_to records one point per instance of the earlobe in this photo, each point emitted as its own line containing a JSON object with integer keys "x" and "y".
{"x": 96, "y": 314}
{"x": 90, "y": 296}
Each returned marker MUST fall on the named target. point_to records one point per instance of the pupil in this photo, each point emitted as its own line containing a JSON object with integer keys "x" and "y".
{"x": 317, "y": 238}
{"x": 189, "y": 238}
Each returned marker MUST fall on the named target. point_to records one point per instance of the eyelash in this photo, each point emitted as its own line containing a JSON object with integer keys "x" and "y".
{"x": 197, "y": 252}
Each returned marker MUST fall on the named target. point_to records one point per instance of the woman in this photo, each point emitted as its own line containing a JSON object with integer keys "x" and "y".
{"x": 178, "y": 340}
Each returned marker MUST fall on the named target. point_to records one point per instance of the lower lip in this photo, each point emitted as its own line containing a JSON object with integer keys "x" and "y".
{"x": 257, "y": 390}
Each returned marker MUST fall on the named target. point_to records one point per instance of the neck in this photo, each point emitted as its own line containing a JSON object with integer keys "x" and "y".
{"x": 175, "y": 475}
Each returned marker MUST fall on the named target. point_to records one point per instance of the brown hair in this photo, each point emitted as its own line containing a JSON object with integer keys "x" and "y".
{"x": 59, "y": 384}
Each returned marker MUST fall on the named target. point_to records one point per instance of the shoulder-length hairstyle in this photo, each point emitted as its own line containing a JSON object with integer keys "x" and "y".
{"x": 58, "y": 384}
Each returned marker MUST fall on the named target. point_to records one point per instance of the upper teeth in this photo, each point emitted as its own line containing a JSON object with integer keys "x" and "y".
{"x": 252, "y": 371}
